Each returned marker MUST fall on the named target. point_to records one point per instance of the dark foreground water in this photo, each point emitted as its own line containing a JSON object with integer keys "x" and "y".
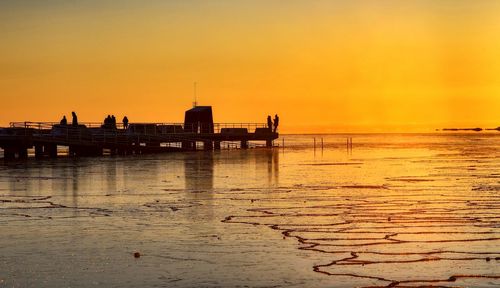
{"x": 397, "y": 210}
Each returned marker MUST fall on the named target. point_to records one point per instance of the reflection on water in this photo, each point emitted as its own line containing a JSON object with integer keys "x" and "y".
{"x": 199, "y": 172}
{"x": 399, "y": 211}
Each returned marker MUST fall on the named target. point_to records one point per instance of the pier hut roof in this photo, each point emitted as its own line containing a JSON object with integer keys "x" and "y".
{"x": 199, "y": 117}
{"x": 202, "y": 114}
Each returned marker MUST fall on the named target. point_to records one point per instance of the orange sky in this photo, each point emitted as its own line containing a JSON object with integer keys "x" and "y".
{"x": 323, "y": 66}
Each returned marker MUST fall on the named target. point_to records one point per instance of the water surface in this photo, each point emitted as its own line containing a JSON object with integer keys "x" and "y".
{"x": 397, "y": 210}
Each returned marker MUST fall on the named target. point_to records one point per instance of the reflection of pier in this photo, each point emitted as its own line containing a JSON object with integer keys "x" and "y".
{"x": 199, "y": 173}
{"x": 94, "y": 139}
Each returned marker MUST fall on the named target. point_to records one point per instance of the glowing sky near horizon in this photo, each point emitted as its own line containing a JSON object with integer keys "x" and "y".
{"x": 323, "y": 66}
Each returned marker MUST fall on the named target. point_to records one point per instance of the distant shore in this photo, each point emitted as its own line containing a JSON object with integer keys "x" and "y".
{"x": 470, "y": 129}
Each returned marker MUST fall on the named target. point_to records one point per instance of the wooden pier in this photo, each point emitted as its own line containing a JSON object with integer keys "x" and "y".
{"x": 94, "y": 139}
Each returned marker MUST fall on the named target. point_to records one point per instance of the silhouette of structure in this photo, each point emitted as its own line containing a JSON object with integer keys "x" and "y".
{"x": 93, "y": 139}
{"x": 199, "y": 119}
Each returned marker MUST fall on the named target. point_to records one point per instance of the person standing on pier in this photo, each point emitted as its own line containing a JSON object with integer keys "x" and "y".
{"x": 276, "y": 122}
{"x": 269, "y": 123}
{"x": 64, "y": 121}
{"x": 113, "y": 121}
{"x": 125, "y": 122}
{"x": 75, "y": 119}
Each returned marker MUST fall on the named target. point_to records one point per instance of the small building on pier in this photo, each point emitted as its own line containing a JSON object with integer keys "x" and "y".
{"x": 199, "y": 119}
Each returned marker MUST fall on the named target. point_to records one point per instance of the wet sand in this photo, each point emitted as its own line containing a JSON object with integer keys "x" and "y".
{"x": 397, "y": 211}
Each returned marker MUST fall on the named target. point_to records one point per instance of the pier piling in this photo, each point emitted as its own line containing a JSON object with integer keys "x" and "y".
{"x": 50, "y": 150}
{"x": 208, "y": 145}
{"x": 244, "y": 144}
{"x": 23, "y": 153}
{"x": 9, "y": 153}
{"x": 39, "y": 151}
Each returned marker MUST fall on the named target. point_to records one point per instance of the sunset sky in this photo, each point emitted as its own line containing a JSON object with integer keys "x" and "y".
{"x": 323, "y": 66}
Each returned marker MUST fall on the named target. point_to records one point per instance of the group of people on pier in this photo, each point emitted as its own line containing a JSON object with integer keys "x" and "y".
{"x": 109, "y": 122}
{"x": 270, "y": 123}
{"x": 74, "y": 121}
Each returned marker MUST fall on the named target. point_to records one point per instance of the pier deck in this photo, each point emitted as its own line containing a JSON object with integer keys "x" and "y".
{"x": 94, "y": 139}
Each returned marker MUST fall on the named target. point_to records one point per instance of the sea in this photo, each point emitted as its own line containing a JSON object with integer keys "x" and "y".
{"x": 338, "y": 210}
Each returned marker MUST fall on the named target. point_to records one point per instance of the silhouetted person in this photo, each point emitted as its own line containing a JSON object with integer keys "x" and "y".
{"x": 113, "y": 121}
{"x": 107, "y": 122}
{"x": 276, "y": 122}
{"x": 64, "y": 121}
{"x": 125, "y": 122}
{"x": 269, "y": 123}
{"x": 74, "y": 122}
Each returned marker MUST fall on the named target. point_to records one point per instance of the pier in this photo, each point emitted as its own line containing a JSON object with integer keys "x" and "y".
{"x": 197, "y": 132}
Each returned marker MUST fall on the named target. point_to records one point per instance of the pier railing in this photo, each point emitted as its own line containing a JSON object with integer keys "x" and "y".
{"x": 93, "y": 138}
{"x": 144, "y": 128}
{"x": 95, "y": 133}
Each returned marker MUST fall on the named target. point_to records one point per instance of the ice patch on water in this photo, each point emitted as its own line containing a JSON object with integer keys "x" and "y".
{"x": 486, "y": 188}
